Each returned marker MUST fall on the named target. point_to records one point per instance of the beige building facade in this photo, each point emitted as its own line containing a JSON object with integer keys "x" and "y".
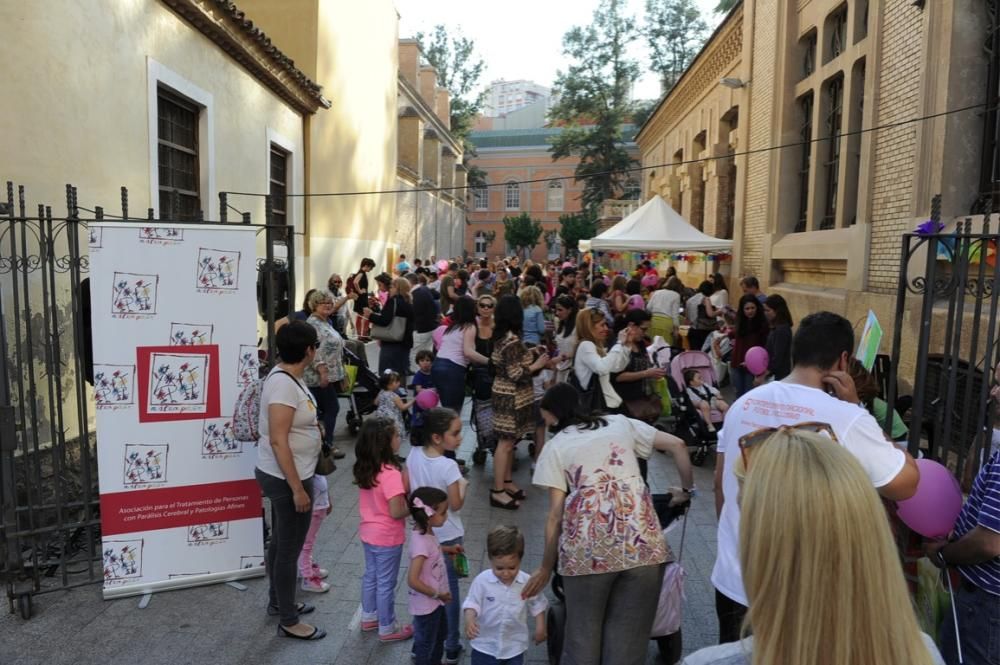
{"x": 430, "y": 208}
{"x": 798, "y": 130}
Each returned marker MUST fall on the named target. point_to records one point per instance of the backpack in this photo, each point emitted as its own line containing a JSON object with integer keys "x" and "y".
{"x": 349, "y": 286}
{"x": 246, "y": 412}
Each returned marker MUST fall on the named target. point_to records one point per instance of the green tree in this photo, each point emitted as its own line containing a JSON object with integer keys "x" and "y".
{"x": 594, "y": 102}
{"x": 725, "y": 6}
{"x": 675, "y": 33}
{"x": 576, "y": 227}
{"x": 522, "y": 232}
{"x": 459, "y": 69}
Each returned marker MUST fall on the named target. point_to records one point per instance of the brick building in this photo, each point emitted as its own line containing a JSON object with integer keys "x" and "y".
{"x": 820, "y": 220}
{"x": 512, "y": 158}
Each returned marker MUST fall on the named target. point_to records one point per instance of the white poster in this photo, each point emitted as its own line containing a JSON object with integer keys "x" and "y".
{"x": 175, "y": 340}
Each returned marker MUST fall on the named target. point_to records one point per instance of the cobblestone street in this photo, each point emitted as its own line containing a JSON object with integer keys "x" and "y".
{"x": 222, "y": 625}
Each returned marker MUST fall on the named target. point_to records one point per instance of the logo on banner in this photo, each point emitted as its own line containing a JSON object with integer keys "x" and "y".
{"x": 252, "y": 561}
{"x": 219, "y": 441}
{"x": 178, "y": 383}
{"x": 114, "y": 386}
{"x": 248, "y": 367}
{"x": 160, "y": 235}
{"x": 134, "y": 296}
{"x": 95, "y": 237}
{"x": 208, "y": 534}
{"x": 218, "y": 270}
{"x": 191, "y": 334}
{"x": 145, "y": 464}
{"x": 122, "y": 561}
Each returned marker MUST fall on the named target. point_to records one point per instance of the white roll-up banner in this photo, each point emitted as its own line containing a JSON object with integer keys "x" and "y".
{"x": 174, "y": 317}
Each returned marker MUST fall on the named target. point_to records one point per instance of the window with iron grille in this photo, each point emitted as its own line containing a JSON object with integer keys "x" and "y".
{"x": 480, "y": 243}
{"x": 809, "y": 54}
{"x": 834, "y": 118}
{"x": 279, "y": 185}
{"x": 838, "y": 32}
{"x": 480, "y": 198}
{"x": 805, "y": 135}
{"x": 177, "y": 157}
{"x": 512, "y": 198}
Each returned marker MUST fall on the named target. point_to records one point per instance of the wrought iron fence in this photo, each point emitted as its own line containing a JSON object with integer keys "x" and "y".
{"x": 49, "y": 499}
{"x": 955, "y": 294}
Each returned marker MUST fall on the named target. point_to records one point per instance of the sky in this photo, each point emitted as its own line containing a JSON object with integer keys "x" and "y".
{"x": 522, "y": 39}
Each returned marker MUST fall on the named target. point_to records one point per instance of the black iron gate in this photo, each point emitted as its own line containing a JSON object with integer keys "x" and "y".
{"x": 954, "y": 296}
{"x": 49, "y": 501}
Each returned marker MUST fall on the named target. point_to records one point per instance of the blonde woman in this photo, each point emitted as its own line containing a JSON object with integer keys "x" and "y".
{"x": 591, "y": 359}
{"x": 534, "y": 319}
{"x": 821, "y": 569}
{"x": 395, "y": 355}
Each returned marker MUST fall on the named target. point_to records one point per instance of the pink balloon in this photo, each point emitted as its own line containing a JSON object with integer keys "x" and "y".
{"x": 757, "y": 360}
{"x": 437, "y": 335}
{"x": 427, "y": 399}
{"x": 932, "y": 511}
{"x": 650, "y": 280}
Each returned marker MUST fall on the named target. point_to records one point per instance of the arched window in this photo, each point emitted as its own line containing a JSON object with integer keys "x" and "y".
{"x": 512, "y": 196}
{"x": 555, "y": 201}
{"x": 480, "y": 198}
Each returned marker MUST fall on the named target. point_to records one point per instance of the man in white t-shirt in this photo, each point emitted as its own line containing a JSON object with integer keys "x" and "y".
{"x": 822, "y": 345}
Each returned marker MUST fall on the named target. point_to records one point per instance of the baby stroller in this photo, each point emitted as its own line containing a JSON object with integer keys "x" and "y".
{"x": 689, "y": 424}
{"x": 363, "y": 387}
{"x": 667, "y": 511}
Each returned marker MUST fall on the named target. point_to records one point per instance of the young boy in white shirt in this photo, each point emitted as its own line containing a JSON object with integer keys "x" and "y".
{"x": 495, "y": 613}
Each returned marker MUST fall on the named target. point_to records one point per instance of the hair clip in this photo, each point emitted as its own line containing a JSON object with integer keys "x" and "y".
{"x": 417, "y": 503}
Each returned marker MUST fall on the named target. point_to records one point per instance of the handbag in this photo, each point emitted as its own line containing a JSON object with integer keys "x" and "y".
{"x": 325, "y": 465}
{"x": 647, "y": 409}
{"x": 591, "y": 397}
{"x": 391, "y": 333}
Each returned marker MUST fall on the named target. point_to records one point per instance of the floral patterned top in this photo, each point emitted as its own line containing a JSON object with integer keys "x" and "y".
{"x": 609, "y": 523}
{"x": 330, "y": 351}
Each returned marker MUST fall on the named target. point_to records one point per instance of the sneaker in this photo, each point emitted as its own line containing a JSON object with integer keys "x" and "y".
{"x": 404, "y": 632}
{"x": 315, "y": 584}
{"x": 368, "y": 626}
{"x": 453, "y": 657}
{"x": 321, "y": 573}
{"x": 338, "y": 453}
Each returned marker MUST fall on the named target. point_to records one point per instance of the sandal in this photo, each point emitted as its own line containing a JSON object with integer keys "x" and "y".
{"x": 317, "y": 634}
{"x": 301, "y": 608}
{"x": 518, "y": 495}
{"x": 510, "y": 504}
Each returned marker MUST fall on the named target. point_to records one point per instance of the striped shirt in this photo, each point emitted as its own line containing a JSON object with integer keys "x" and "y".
{"x": 983, "y": 509}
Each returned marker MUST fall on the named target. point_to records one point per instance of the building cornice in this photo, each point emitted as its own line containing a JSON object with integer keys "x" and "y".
{"x": 426, "y": 113}
{"x": 229, "y": 28}
{"x": 720, "y": 52}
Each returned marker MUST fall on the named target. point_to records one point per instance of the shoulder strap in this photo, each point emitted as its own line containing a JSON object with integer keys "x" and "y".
{"x": 308, "y": 394}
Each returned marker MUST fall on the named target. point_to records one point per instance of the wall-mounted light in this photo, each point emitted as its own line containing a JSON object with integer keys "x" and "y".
{"x": 919, "y": 3}
{"x": 735, "y": 83}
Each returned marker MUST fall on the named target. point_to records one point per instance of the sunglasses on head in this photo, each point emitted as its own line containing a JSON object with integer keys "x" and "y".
{"x": 748, "y": 441}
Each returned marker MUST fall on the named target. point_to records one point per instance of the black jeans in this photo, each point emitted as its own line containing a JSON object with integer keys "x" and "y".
{"x": 329, "y": 407}
{"x": 731, "y": 615}
{"x": 288, "y": 532}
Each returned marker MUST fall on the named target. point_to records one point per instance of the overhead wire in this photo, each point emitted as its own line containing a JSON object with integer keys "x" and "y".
{"x": 637, "y": 169}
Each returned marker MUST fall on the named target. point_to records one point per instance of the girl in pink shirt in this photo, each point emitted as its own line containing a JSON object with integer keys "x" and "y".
{"x": 382, "y": 504}
{"x": 428, "y": 579}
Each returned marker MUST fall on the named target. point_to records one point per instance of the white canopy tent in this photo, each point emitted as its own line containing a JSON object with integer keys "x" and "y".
{"x": 655, "y": 226}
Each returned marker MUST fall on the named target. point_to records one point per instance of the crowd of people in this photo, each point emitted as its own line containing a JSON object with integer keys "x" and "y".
{"x": 805, "y": 563}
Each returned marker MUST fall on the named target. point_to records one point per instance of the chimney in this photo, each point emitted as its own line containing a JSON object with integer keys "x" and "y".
{"x": 409, "y": 61}
{"x": 442, "y": 106}
{"x": 428, "y": 81}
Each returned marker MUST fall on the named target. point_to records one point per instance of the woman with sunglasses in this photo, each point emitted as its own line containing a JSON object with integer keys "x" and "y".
{"x": 820, "y": 566}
